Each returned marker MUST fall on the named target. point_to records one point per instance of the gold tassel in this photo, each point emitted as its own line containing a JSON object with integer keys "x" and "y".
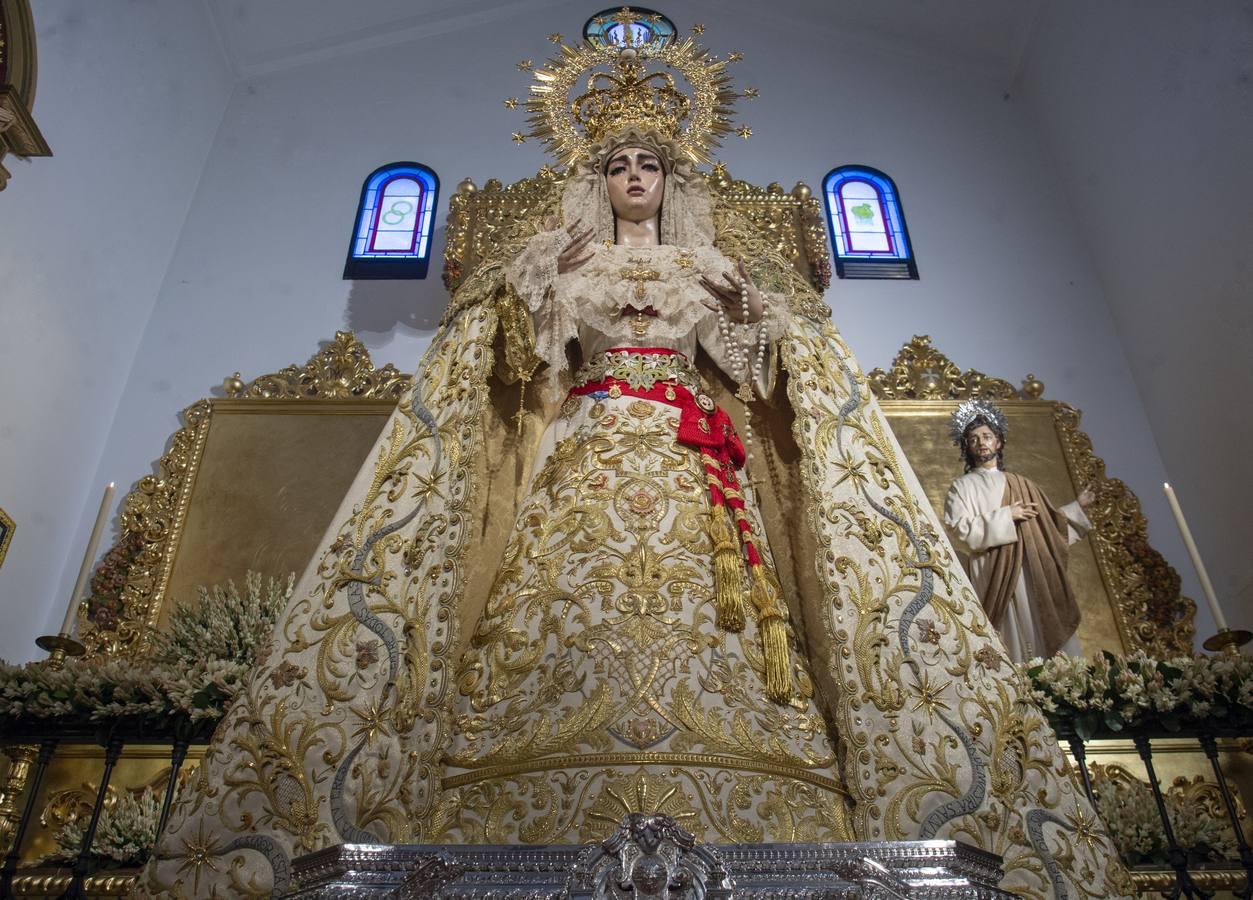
{"x": 765, "y": 596}
{"x": 728, "y": 573}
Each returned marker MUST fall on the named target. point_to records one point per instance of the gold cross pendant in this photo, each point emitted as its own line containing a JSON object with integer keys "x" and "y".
{"x": 639, "y": 273}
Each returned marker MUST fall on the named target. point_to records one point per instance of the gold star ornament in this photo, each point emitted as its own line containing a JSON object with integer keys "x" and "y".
{"x": 745, "y": 132}
{"x": 511, "y": 103}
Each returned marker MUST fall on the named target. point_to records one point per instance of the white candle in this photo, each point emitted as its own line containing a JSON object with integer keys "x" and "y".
{"x": 1206, "y": 586}
{"x": 71, "y": 614}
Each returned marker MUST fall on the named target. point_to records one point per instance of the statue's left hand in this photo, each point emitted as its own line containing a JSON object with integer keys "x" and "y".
{"x": 727, "y": 295}
{"x": 1087, "y": 497}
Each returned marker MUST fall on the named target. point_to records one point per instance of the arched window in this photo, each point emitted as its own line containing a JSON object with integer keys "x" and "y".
{"x": 629, "y": 26}
{"x": 867, "y": 225}
{"x": 393, "y": 234}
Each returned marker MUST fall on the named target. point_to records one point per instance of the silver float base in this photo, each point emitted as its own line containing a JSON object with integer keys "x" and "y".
{"x": 649, "y": 858}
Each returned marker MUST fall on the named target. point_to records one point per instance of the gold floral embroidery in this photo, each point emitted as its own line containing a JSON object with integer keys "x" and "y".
{"x": 599, "y": 650}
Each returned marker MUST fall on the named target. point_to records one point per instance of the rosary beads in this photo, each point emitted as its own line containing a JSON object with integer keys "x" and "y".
{"x": 747, "y": 364}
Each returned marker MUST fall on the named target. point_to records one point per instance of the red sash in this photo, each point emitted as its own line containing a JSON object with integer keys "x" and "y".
{"x": 712, "y": 433}
{"x": 707, "y": 428}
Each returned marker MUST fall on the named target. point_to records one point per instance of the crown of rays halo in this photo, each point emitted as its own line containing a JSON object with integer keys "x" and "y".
{"x": 970, "y": 410}
{"x": 697, "y": 129}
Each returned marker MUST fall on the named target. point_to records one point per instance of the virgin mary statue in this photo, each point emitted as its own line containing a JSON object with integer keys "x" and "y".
{"x": 687, "y": 570}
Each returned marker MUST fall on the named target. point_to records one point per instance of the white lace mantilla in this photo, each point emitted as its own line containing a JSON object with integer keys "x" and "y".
{"x": 631, "y": 297}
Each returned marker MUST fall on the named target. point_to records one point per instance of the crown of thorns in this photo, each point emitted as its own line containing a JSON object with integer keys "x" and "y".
{"x": 969, "y": 411}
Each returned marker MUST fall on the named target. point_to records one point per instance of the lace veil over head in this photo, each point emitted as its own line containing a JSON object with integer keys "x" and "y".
{"x": 686, "y": 207}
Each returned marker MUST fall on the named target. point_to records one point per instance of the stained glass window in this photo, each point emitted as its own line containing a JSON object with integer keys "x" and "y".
{"x": 629, "y": 26}
{"x": 867, "y": 224}
{"x": 393, "y": 234}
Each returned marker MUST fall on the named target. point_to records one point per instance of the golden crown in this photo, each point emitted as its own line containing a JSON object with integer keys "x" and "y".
{"x": 629, "y": 95}
{"x": 630, "y": 98}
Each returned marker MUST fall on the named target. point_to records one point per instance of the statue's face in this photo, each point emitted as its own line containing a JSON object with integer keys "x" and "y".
{"x": 982, "y": 443}
{"x": 636, "y": 182}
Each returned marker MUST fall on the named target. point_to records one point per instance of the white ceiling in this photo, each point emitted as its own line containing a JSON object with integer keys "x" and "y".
{"x": 260, "y": 36}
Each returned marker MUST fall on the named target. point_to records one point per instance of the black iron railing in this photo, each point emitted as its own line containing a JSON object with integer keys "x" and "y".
{"x": 179, "y": 732}
{"x": 1185, "y": 884}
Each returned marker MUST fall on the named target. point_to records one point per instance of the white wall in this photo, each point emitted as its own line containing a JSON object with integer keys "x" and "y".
{"x": 1147, "y": 108}
{"x": 129, "y": 97}
{"x": 1007, "y": 285}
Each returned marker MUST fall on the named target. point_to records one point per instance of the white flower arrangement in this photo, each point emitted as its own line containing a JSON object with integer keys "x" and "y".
{"x": 125, "y": 834}
{"x": 1130, "y": 814}
{"x": 196, "y": 669}
{"x": 1108, "y": 693}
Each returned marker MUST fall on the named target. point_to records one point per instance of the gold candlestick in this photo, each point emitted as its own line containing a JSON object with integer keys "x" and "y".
{"x": 63, "y": 644}
{"x": 1228, "y": 641}
{"x": 59, "y": 646}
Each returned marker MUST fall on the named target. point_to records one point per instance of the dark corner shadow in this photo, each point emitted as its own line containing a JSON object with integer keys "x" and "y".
{"x": 378, "y": 307}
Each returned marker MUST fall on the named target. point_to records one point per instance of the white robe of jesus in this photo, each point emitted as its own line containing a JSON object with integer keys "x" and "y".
{"x": 978, "y": 521}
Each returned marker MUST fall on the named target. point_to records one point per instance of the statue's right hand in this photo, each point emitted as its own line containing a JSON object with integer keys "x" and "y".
{"x": 577, "y": 250}
{"x": 1021, "y": 512}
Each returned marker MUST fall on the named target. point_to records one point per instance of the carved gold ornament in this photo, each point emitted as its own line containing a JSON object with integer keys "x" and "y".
{"x": 21, "y": 757}
{"x": 624, "y": 93}
{"x": 921, "y": 372}
{"x": 19, "y": 134}
{"x": 1143, "y": 589}
{"x": 7, "y": 526}
{"x": 342, "y": 370}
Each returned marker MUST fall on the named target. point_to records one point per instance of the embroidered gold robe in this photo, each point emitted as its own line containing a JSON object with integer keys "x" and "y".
{"x": 459, "y": 664}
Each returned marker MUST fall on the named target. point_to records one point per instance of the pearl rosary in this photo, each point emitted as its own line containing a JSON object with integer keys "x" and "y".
{"x": 746, "y": 364}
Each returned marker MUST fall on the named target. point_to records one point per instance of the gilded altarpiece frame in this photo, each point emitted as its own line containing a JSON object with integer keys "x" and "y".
{"x": 280, "y": 448}
{"x": 1128, "y": 594}
{"x": 19, "y": 71}
{"x": 250, "y": 481}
